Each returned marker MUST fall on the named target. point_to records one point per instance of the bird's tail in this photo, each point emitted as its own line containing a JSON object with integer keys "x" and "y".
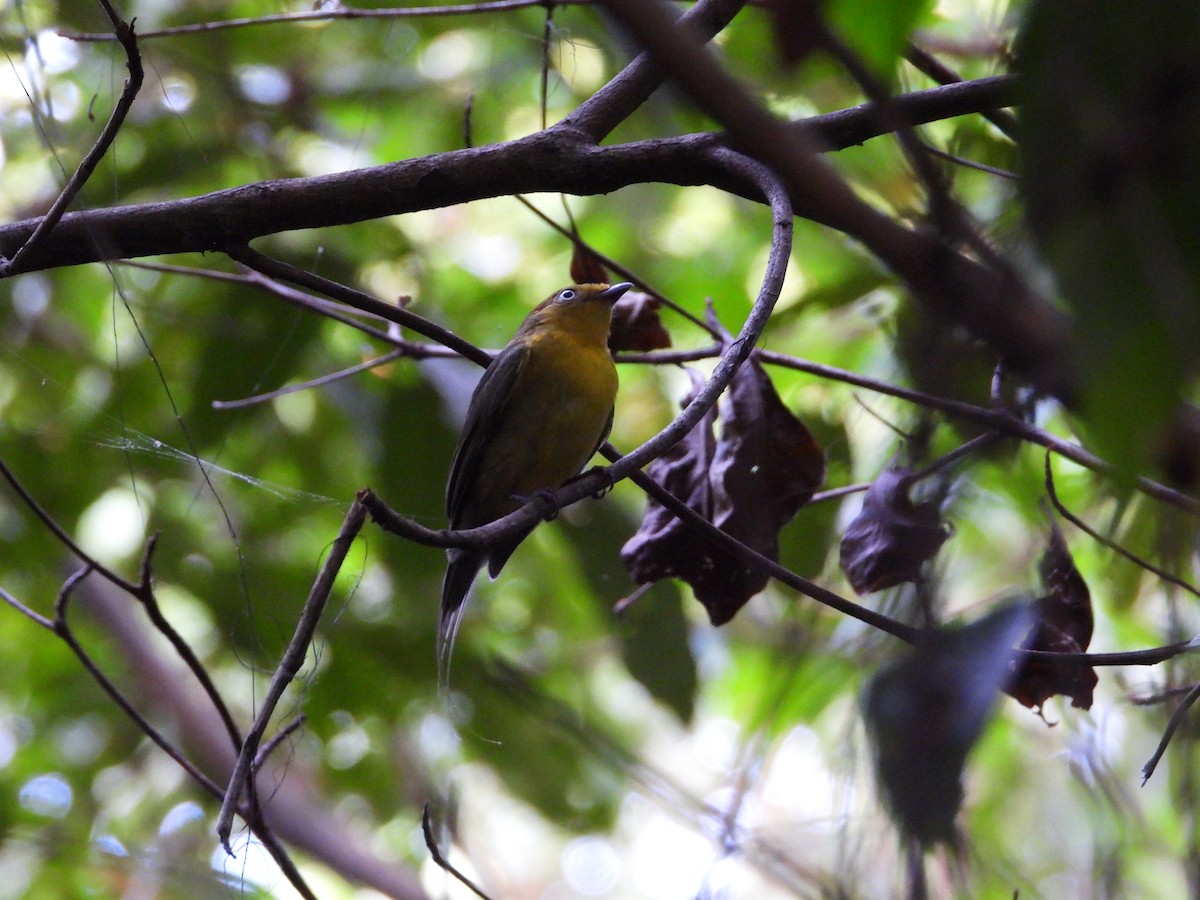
{"x": 460, "y": 574}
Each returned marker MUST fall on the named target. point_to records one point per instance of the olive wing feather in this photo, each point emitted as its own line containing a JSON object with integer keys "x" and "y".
{"x": 490, "y": 397}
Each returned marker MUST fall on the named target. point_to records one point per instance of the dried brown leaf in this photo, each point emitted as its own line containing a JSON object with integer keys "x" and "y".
{"x": 798, "y": 28}
{"x": 1064, "y": 625}
{"x": 750, "y": 482}
{"x": 636, "y": 326}
{"x": 891, "y": 538}
{"x": 586, "y": 267}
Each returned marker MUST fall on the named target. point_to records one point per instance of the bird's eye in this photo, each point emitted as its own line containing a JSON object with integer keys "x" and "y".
{"x": 568, "y": 294}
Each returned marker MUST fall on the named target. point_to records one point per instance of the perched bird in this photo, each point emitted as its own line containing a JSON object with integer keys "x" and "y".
{"x": 540, "y": 411}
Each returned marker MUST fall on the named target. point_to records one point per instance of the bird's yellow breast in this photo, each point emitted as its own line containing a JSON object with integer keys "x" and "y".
{"x": 565, "y": 394}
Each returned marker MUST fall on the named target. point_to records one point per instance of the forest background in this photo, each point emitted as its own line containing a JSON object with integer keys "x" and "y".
{"x": 961, "y": 237}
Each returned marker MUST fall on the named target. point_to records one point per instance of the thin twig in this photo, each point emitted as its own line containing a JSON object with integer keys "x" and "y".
{"x": 970, "y": 163}
{"x": 123, "y": 32}
{"x": 149, "y": 601}
{"x": 339, "y": 311}
{"x": 62, "y": 628}
{"x": 26, "y": 611}
{"x": 275, "y": 268}
{"x": 143, "y": 591}
{"x": 1149, "y": 657}
{"x": 1177, "y": 718}
{"x": 320, "y": 381}
{"x": 289, "y": 666}
{"x": 283, "y": 734}
{"x": 944, "y": 210}
{"x": 436, "y": 853}
{"x": 547, "y": 33}
{"x": 619, "y": 608}
{"x": 999, "y": 419}
{"x": 60, "y": 533}
{"x": 950, "y": 216}
{"x": 929, "y": 64}
{"x": 1159, "y": 696}
{"x": 1108, "y": 542}
{"x": 837, "y": 493}
{"x": 979, "y": 442}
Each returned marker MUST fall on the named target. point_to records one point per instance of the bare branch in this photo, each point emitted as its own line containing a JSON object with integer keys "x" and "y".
{"x": 252, "y": 259}
{"x": 295, "y": 811}
{"x": 1111, "y": 544}
{"x": 436, "y": 853}
{"x": 339, "y": 12}
{"x": 60, "y": 533}
{"x": 289, "y": 666}
{"x": 1177, "y": 718}
{"x": 929, "y": 64}
{"x": 63, "y": 629}
{"x": 317, "y": 382}
{"x": 617, "y": 100}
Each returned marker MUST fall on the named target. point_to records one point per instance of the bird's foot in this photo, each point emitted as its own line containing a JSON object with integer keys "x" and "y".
{"x": 547, "y": 505}
{"x": 604, "y": 474}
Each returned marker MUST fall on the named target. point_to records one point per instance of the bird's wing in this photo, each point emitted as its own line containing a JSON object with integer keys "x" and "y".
{"x": 604, "y": 434}
{"x": 487, "y": 403}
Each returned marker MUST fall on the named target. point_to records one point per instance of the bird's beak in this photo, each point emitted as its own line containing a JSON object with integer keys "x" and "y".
{"x": 613, "y": 293}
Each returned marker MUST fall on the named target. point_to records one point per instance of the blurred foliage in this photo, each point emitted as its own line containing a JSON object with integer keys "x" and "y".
{"x": 1111, "y": 123}
{"x": 650, "y": 753}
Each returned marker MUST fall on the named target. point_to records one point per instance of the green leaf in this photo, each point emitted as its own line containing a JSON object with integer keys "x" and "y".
{"x": 654, "y": 644}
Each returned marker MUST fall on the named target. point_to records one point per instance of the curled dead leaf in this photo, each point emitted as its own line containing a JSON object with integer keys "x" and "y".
{"x": 1064, "y": 624}
{"x": 586, "y": 267}
{"x": 636, "y": 325}
{"x": 891, "y": 538}
{"x": 749, "y": 483}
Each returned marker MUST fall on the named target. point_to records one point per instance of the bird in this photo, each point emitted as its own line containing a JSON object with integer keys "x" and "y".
{"x": 542, "y": 409}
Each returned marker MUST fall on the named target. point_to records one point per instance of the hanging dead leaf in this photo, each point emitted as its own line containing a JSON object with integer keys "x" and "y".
{"x": 663, "y": 546}
{"x": 750, "y": 482}
{"x": 798, "y": 28}
{"x": 586, "y": 267}
{"x": 767, "y": 465}
{"x": 891, "y": 537}
{"x": 636, "y": 326}
{"x": 1064, "y": 624}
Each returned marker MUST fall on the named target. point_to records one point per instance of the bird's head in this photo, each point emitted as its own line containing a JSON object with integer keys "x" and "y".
{"x": 582, "y": 309}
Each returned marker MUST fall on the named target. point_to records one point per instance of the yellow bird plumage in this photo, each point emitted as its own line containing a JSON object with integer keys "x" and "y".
{"x": 540, "y": 411}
